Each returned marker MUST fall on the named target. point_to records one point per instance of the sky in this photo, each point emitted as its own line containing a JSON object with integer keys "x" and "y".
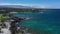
{"x": 33, "y": 3}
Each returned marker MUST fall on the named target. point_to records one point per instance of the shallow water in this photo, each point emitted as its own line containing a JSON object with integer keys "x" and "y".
{"x": 46, "y": 22}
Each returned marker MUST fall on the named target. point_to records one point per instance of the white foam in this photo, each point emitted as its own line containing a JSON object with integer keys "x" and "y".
{"x": 5, "y": 31}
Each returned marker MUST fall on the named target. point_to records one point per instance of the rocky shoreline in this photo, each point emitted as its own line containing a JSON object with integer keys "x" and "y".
{"x": 11, "y": 26}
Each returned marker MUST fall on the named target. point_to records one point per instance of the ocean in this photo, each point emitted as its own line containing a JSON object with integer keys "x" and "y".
{"x": 44, "y": 22}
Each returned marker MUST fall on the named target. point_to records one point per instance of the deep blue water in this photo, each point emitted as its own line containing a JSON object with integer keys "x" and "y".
{"x": 47, "y": 22}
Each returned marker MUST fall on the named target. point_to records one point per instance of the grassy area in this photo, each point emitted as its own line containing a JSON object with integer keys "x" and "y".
{"x": 2, "y": 17}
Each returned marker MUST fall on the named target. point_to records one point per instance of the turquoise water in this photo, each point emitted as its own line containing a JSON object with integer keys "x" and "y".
{"x": 47, "y": 22}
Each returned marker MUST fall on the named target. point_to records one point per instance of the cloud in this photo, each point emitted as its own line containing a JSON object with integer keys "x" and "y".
{"x": 30, "y": 5}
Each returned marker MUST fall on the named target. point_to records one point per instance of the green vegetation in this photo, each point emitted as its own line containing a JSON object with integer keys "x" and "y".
{"x": 26, "y": 10}
{"x": 2, "y": 17}
{"x": 20, "y": 10}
